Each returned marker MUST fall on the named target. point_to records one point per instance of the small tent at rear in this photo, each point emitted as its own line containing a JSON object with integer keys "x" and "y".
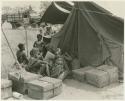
{"x": 93, "y": 34}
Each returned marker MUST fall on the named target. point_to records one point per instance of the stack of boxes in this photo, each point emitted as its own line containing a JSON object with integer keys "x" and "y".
{"x": 36, "y": 86}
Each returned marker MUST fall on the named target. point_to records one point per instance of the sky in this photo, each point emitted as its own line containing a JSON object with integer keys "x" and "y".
{"x": 116, "y": 7}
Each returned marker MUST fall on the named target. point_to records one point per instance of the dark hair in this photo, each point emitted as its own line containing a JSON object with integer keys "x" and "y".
{"x": 39, "y": 35}
{"x": 48, "y": 28}
{"x": 33, "y": 51}
{"x": 20, "y": 45}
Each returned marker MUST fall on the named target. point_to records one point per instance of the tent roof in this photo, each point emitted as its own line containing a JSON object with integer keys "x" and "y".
{"x": 57, "y": 13}
{"x": 100, "y": 20}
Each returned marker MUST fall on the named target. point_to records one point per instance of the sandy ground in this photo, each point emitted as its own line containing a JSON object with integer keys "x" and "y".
{"x": 75, "y": 90}
{"x": 71, "y": 89}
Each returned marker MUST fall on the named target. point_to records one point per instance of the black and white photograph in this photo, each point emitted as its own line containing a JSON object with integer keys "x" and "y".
{"x": 62, "y": 50}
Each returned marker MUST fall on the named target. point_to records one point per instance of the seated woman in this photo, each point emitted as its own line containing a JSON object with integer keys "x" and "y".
{"x": 36, "y": 65}
{"x": 60, "y": 69}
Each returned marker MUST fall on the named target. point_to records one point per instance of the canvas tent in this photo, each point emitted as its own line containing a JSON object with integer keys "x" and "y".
{"x": 93, "y": 34}
{"x": 57, "y": 12}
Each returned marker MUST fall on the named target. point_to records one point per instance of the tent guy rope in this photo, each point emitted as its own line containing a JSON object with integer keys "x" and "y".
{"x": 8, "y": 43}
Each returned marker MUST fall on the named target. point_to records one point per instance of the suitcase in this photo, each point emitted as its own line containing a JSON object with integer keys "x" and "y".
{"x": 6, "y": 88}
{"x": 102, "y": 76}
{"x": 79, "y": 74}
{"x": 44, "y": 88}
{"x": 20, "y": 80}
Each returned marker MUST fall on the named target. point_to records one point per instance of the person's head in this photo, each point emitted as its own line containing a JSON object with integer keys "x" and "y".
{"x": 48, "y": 29}
{"x": 59, "y": 63}
{"x": 34, "y": 52}
{"x": 43, "y": 25}
{"x": 51, "y": 62}
{"x": 58, "y": 51}
{"x": 41, "y": 31}
{"x": 21, "y": 46}
{"x": 39, "y": 37}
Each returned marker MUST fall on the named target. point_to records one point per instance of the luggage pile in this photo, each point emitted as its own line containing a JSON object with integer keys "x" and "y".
{"x": 98, "y": 76}
{"x": 20, "y": 80}
{"x": 34, "y": 85}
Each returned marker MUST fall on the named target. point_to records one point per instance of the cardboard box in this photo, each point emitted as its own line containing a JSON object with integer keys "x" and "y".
{"x": 44, "y": 88}
{"x": 6, "y": 88}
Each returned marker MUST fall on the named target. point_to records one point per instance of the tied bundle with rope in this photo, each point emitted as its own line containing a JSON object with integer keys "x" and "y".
{"x": 102, "y": 76}
{"x": 44, "y": 88}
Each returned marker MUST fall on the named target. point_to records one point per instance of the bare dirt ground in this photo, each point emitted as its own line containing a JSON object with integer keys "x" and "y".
{"x": 74, "y": 90}
{"x": 71, "y": 89}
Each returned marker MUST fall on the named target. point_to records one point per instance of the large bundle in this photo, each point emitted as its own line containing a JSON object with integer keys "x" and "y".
{"x": 112, "y": 72}
{"x": 20, "y": 80}
{"x": 44, "y": 88}
{"x": 102, "y": 76}
{"x": 79, "y": 74}
{"x": 6, "y": 88}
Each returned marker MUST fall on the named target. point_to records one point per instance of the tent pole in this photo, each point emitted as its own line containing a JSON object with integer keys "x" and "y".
{"x": 26, "y": 40}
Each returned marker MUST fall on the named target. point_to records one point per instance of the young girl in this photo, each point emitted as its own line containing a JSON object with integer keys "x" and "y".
{"x": 39, "y": 43}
